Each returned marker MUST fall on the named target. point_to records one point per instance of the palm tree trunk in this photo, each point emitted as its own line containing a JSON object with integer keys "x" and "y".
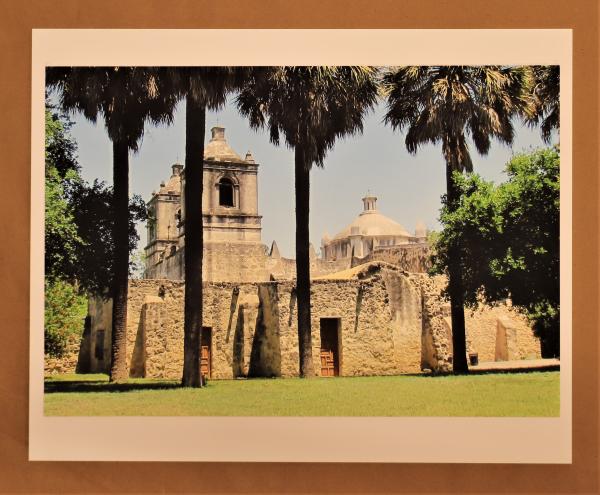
{"x": 455, "y": 288}
{"x": 118, "y": 367}
{"x": 195, "y": 115}
{"x": 302, "y": 175}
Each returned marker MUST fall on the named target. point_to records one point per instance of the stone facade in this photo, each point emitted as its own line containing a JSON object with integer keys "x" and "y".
{"x": 368, "y": 232}
{"x": 483, "y": 330}
{"x": 67, "y": 363}
{"x": 389, "y": 322}
{"x": 232, "y": 225}
{"x": 374, "y": 309}
{"x": 414, "y": 258}
{"x": 233, "y": 249}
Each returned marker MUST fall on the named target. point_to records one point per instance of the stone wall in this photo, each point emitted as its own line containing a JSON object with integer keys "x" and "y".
{"x": 94, "y": 353}
{"x": 412, "y": 258}
{"x": 285, "y": 268}
{"x": 221, "y": 263}
{"x": 389, "y": 321}
{"x": 495, "y": 333}
{"x": 169, "y": 266}
{"x": 68, "y": 362}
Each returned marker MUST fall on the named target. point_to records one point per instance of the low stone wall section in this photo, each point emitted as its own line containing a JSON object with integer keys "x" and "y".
{"x": 414, "y": 258}
{"x": 390, "y": 322}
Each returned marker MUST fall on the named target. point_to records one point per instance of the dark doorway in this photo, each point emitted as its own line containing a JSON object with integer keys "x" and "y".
{"x": 205, "y": 352}
{"x": 330, "y": 346}
{"x": 99, "y": 349}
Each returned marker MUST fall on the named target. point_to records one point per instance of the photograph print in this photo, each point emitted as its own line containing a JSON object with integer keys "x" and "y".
{"x": 302, "y": 241}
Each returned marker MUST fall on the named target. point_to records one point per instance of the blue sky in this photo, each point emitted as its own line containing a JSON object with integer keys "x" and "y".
{"x": 408, "y": 186}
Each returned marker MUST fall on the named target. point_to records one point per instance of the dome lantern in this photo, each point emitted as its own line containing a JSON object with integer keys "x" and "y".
{"x": 369, "y": 203}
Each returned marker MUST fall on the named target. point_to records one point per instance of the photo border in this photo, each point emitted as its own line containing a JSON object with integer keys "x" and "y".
{"x": 293, "y": 439}
{"x": 19, "y": 475}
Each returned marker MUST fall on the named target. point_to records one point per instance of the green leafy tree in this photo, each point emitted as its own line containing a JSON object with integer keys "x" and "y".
{"x": 447, "y": 104}
{"x": 64, "y": 313}
{"x": 79, "y": 250}
{"x": 62, "y": 242}
{"x": 60, "y": 148}
{"x": 310, "y": 107}
{"x": 508, "y": 240}
{"x": 63, "y": 302}
{"x": 92, "y": 207}
{"x": 126, "y": 98}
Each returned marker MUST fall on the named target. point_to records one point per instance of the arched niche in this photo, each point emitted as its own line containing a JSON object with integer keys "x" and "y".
{"x": 227, "y": 192}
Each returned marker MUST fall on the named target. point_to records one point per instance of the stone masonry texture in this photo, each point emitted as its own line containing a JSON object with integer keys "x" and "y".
{"x": 390, "y": 321}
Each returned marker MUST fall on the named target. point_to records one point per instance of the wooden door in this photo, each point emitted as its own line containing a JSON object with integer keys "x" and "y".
{"x": 205, "y": 348}
{"x": 330, "y": 363}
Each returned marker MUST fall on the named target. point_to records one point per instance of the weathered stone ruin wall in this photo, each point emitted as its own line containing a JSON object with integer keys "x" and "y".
{"x": 220, "y": 262}
{"x": 94, "y": 353}
{"x": 155, "y": 327}
{"x": 436, "y": 337}
{"x": 390, "y": 322}
{"x": 235, "y": 262}
{"x": 84, "y": 351}
{"x": 67, "y": 363}
{"x": 285, "y": 268}
{"x": 413, "y": 258}
{"x": 254, "y": 328}
{"x": 171, "y": 267}
{"x": 494, "y": 333}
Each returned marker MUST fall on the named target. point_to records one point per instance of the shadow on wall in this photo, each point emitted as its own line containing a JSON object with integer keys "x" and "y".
{"x": 138, "y": 358}
{"x": 293, "y": 298}
{"x": 238, "y": 363}
{"x": 83, "y": 360}
{"x": 265, "y": 357}
{"x": 359, "y": 299}
{"x": 234, "y": 301}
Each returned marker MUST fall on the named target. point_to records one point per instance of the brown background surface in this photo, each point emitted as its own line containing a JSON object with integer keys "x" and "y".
{"x": 18, "y": 475}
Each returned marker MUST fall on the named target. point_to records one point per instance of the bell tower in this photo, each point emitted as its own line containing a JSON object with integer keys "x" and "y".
{"x": 233, "y": 251}
{"x": 230, "y": 203}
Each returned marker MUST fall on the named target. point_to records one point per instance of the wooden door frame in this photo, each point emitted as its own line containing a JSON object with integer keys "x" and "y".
{"x": 338, "y": 349}
{"x": 210, "y": 333}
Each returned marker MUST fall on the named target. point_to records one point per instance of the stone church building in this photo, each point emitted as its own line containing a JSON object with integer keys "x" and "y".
{"x": 369, "y": 232}
{"x": 232, "y": 225}
{"x": 375, "y": 311}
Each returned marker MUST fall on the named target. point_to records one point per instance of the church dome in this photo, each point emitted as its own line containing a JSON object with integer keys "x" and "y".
{"x": 372, "y": 223}
{"x": 218, "y": 148}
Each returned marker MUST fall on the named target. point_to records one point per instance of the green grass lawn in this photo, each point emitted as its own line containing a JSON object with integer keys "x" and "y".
{"x": 500, "y": 394}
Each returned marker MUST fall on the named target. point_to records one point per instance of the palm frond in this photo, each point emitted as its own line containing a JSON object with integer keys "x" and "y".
{"x": 443, "y": 103}
{"x": 309, "y": 106}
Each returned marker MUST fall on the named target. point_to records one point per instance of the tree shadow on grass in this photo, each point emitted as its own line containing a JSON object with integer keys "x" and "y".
{"x": 103, "y": 386}
{"x": 491, "y": 371}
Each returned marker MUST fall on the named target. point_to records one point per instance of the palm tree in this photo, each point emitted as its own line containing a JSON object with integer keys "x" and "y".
{"x": 202, "y": 87}
{"x": 311, "y": 107}
{"x": 546, "y": 99}
{"x": 446, "y": 104}
{"x": 127, "y": 98}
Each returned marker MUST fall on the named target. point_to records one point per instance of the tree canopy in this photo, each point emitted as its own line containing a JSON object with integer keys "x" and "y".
{"x": 447, "y": 103}
{"x": 545, "y": 90}
{"x": 508, "y": 237}
{"x": 309, "y": 107}
{"x": 78, "y": 218}
{"x": 78, "y": 235}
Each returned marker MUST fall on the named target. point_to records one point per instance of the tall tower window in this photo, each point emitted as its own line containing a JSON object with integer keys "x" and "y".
{"x": 226, "y": 192}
